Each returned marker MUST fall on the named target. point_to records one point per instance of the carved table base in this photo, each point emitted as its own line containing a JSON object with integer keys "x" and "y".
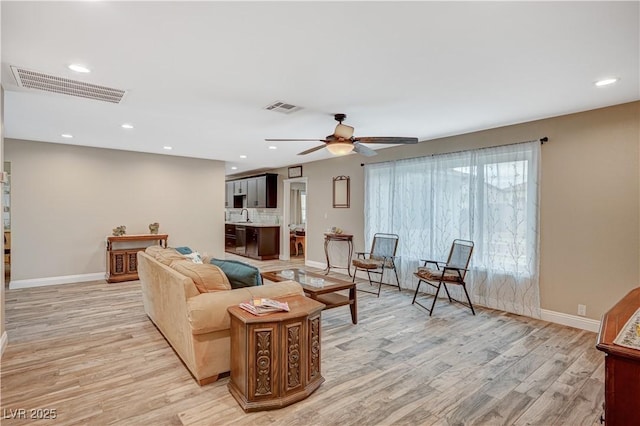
{"x": 275, "y": 358}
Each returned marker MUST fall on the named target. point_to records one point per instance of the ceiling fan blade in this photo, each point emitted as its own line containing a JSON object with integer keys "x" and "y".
{"x": 289, "y": 140}
{"x": 310, "y": 150}
{"x": 386, "y": 139}
{"x": 363, "y": 150}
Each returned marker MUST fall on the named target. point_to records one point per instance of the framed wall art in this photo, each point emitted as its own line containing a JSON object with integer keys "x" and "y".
{"x": 295, "y": 172}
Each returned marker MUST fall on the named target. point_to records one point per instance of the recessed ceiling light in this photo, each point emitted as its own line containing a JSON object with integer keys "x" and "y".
{"x": 273, "y": 147}
{"x": 127, "y": 126}
{"x": 243, "y": 156}
{"x": 168, "y": 148}
{"x": 606, "y": 81}
{"x": 79, "y": 68}
{"x": 234, "y": 168}
{"x": 66, "y": 135}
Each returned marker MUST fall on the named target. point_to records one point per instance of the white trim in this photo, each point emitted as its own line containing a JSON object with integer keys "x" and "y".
{"x": 314, "y": 264}
{"x": 4, "y": 340}
{"x": 66, "y": 279}
{"x": 570, "y": 320}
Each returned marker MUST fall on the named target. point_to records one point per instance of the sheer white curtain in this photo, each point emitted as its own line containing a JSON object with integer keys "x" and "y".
{"x": 489, "y": 196}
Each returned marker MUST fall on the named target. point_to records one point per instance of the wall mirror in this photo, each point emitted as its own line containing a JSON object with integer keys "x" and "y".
{"x": 341, "y": 192}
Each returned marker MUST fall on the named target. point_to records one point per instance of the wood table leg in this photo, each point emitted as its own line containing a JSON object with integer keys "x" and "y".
{"x": 354, "y": 304}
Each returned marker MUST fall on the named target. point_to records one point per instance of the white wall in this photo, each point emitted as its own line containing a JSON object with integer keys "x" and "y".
{"x": 66, "y": 199}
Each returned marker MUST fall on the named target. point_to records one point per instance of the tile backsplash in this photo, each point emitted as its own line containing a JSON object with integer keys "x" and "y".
{"x": 255, "y": 215}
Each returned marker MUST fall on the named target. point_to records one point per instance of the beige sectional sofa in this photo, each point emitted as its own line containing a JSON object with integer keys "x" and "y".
{"x": 196, "y": 324}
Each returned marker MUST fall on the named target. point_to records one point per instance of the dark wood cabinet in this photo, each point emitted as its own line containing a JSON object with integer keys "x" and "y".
{"x": 267, "y": 243}
{"x": 122, "y": 263}
{"x": 251, "y": 248}
{"x": 256, "y": 242}
{"x": 230, "y": 238}
{"x": 622, "y": 365}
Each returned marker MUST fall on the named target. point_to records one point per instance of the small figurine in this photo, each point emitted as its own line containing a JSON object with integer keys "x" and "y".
{"x": 119, "y": 230}
{"x": 153, "y": 227}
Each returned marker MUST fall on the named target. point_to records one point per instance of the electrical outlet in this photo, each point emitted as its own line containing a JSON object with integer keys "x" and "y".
{"x": 582, "y": 310}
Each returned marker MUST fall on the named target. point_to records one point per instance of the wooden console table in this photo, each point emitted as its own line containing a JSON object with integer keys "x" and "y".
{"x": 275, "y": 358}
{"x": 122, "y": 264}
{"x": 328, "y": 237}
{"x": 621, "y": 365}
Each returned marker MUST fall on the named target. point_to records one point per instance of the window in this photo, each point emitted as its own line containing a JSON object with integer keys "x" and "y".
{"x": 488, "y": 196}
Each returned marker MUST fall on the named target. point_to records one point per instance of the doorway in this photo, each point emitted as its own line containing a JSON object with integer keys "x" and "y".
{"x": 293, "y": 232}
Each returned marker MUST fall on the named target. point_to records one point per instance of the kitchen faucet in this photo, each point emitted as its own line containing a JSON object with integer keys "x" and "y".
{"x": 245, "y": 210}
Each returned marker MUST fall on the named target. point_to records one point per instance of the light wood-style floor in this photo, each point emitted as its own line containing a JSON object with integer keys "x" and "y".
{"x": 89, "y": 352}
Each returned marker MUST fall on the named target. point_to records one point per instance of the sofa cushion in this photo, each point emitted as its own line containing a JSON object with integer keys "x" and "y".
{"x": 436, "y": 275}
{"x": 367, "y": 263}
{"x": 208, "y": 311}
{"x": 154, "y": 250}
{"x": 240, "y": 274}
{"x": 207, "y": 278}
{"x": 166, "y": 256}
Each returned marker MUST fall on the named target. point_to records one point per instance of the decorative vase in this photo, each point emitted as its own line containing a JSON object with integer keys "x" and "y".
{"x": 119, "y": 230}
{"x": 154, "y": 227}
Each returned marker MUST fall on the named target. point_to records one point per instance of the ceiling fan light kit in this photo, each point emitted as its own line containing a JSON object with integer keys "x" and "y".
{"x": 339, "y": 148}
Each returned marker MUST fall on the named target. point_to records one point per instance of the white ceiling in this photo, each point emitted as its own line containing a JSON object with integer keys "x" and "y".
{"x": 198, "y": 75}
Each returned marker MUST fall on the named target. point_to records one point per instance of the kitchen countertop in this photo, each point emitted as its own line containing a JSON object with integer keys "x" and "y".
{"x": 254, "y": 224}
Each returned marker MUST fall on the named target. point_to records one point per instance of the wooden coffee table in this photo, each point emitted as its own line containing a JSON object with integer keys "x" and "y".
{"x": 325, "y": 294}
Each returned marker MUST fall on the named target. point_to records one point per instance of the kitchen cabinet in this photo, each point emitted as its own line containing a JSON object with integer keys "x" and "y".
{"x": 252, "y": 193}
{"x": 230, "y": 238}
{"x": 240, "y": 187}
{"x": 251, "y": 249}
{"x": 261, "y": 192}
{"x": 261, "y": 242}
{"x": 228, "y": 195}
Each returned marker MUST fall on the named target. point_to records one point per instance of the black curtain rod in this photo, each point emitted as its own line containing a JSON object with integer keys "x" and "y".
{"x": 542, "y": 140}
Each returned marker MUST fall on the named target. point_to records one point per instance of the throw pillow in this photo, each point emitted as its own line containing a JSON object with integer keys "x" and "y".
{"x": 240, "y": 274}
{"x": 194, "y": 257}
{"x": 207, "y": 278}
{"x": 183, "y": 250}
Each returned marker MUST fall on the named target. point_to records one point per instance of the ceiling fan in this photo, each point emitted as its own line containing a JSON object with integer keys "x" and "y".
{"x": 342, "y": 141}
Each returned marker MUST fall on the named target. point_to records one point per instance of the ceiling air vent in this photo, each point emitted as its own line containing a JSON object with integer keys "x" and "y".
{"x": 51, "y": 83}
{"x": 282, "y": 107}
